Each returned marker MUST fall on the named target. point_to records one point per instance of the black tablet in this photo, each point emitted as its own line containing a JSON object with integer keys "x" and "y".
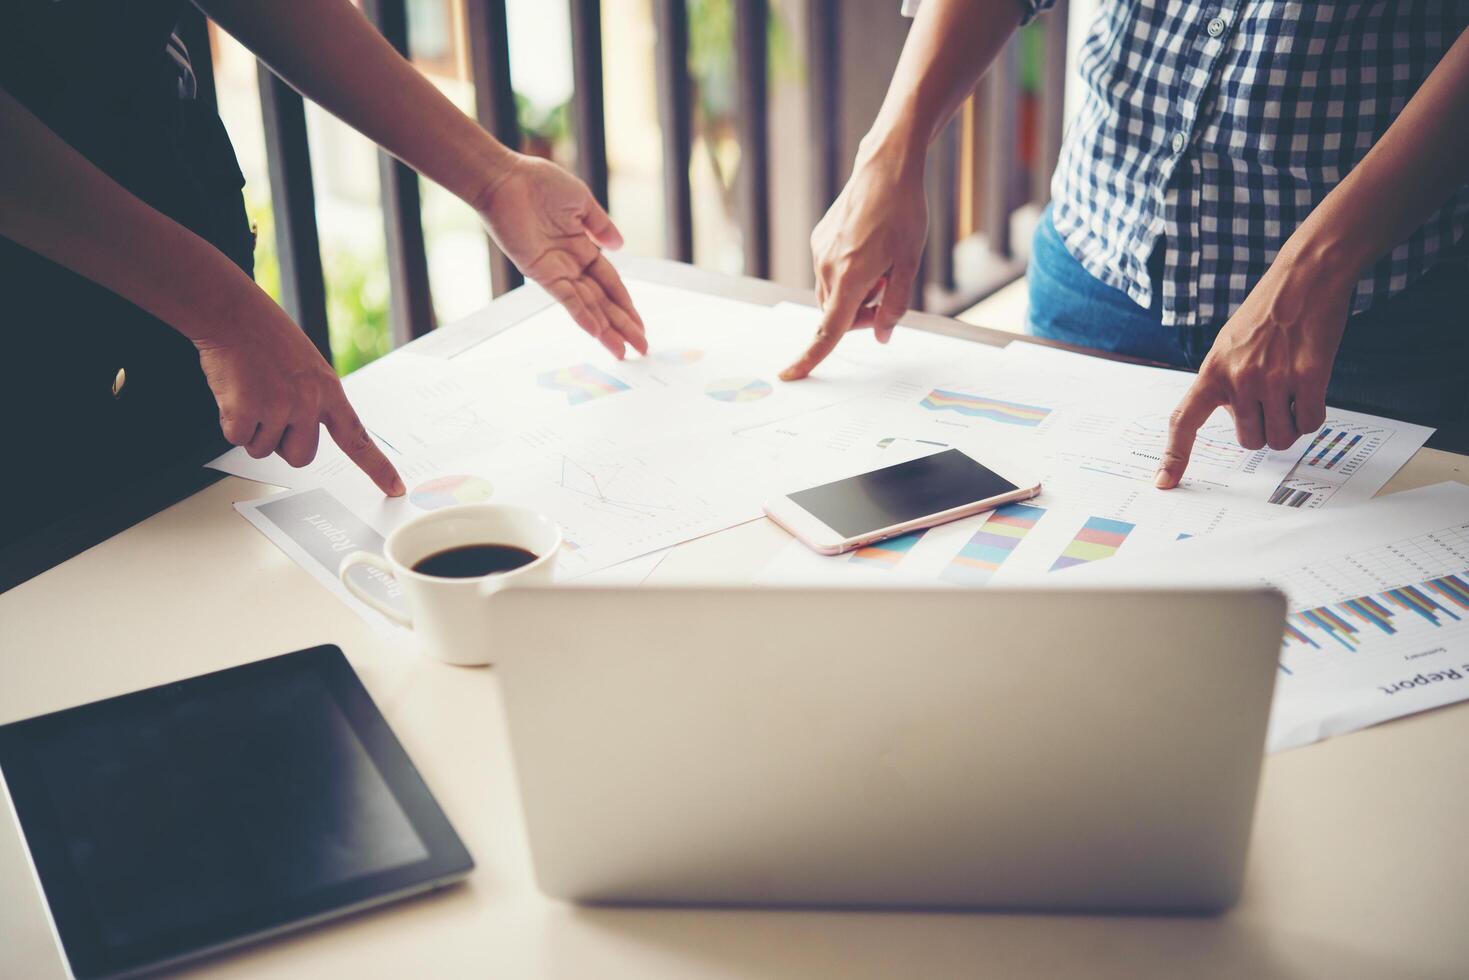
{"x": 195, "y": 816}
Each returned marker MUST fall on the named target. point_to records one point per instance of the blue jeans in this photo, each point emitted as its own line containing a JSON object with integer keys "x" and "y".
{"x": 1406, "y": 357}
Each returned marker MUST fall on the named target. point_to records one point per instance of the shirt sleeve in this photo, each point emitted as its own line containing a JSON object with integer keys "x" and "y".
{"x": 1028, "y": 8}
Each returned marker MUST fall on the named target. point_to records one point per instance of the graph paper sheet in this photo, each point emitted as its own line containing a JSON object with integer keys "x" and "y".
{"x": 1379, "y": 606}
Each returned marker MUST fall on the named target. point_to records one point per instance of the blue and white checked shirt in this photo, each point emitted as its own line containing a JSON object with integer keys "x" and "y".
{"x": 1220, "y": 124}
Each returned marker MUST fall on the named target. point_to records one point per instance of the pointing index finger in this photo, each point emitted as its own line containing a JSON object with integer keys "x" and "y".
{"x": 837, "y": 320}
{"x": 1183, "y": 425}
{"x": 348, "y": 432}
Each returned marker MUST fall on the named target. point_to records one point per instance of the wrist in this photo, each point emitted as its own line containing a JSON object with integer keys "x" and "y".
{"x": 1330, "y": 257}
{"x": 896, "y": 151}
{"x": 496, "y": 165}
{"x": 225, "y": 310}
{"x": 1329, "y": 244}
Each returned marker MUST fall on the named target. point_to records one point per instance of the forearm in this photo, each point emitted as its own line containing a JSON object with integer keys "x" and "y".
{"x": 949, "y": 47}
{"x": 56, "y": 203}
{"x": 330, "y": 52}
{"x": 1414, "y": 167}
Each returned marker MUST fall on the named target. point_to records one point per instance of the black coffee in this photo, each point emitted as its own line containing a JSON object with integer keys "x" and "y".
{"x": 474, "y": 560}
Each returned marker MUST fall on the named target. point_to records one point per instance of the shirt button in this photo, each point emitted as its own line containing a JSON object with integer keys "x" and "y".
{"x": 1216, "y": 27}
{"x": 1178, "y": 142}
{"x": 118, "y": 382}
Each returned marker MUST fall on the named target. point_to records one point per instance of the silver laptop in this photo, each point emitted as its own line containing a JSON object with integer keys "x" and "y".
{"x": 1032, "y": 749}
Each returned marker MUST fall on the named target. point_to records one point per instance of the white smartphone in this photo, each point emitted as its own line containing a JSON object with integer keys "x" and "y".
{"x": 894, "y": 500}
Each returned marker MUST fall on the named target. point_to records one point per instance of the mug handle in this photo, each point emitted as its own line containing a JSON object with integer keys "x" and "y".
{"x": 369, "y": 560}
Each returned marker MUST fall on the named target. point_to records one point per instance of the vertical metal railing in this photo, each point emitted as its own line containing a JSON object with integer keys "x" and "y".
{"x": 293, "y": 198}
{"x": 588, "y": 112}
{"x": 494, "y": 103}
{"x": 823, "y": 60}
{"x": 411, "y": 309}
{"x": 1053, "y": 99}
{"x": 941, "y": 188}
{"x": 675, "y": 115}
{"x": 1000, "y": 94}
{"x": 751, "y": 34}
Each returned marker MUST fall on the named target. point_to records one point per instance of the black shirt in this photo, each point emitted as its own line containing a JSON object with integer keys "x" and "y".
{"x": 100, "y": 75}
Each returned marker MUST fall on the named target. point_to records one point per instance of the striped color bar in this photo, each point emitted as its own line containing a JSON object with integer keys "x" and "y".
{"x": 979, "y": 407}
{"x": 581, "y": 383}
{"x": 1099, "y": 537}
{"x": 885, "y": 554}
{"x": 1332, "y": 443}
{"x": 991, "y": 544}
{"x": 1433, "y": 600}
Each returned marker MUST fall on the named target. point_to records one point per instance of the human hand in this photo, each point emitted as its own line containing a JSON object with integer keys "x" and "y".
{"x": 866, "y": 250}
{"x": 275, "y": 391}
{"x": 1270, "y": 364}
{"x": 554, "y": 231}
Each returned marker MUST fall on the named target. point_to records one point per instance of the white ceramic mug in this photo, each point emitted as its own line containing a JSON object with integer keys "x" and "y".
{"x": 450, "y": 615}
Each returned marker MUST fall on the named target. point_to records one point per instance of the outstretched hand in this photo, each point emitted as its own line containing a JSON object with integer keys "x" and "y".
{"x": 553, "y": 229}
{"x": 1270, "y": 364}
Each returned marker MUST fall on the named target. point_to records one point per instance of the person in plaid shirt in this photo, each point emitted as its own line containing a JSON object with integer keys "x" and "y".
{"x": 1272, "y": 193}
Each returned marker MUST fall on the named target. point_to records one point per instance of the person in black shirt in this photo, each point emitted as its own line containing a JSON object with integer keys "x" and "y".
{"x": 134, "y": 336}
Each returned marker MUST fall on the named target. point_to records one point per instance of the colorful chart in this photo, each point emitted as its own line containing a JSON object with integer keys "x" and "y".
{"x": 679, "y": 356}
{"x": 1099, "y": 538}
{"x": 1329, "y": 448}
{"x": 738, "y": 389}
{"x": 581, "y": 383}
{"x": 980, "y": 407}
{"x": 1290, "y": 497}
{"x": 1432, "y": 600}
{"x": 885, "y": 554}
{"x": 446, "y": 491}
{"x": 987, "y": 550}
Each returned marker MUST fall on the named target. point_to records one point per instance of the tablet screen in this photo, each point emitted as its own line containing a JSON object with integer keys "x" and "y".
{"x": 200, "y": 811}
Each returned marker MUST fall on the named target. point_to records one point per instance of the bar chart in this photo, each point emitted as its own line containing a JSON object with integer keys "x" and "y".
{"x": 982, "y": 407}
{"x": 987, "y": 549}
{"x": 1435, "y": 601}
{"x": 1288, "y": 496}
{"x": 1392, "y": 599}
{"x": 886, "y": 554}
{"x": 1344, "y": 447}
{"x": 1331, "y": 446}
{"x": 1099, "y": 538}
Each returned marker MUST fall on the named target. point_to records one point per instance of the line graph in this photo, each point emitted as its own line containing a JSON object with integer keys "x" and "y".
{"x": 1215, "y": 444}
{"x": 614, "y": 501}
{"x": 600, "y": 486}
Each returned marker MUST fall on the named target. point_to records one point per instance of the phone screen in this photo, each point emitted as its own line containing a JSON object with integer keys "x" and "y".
{"x": 905, "y": 492}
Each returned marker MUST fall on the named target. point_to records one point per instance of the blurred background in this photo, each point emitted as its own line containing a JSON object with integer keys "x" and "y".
{"x": 826, "y": 65}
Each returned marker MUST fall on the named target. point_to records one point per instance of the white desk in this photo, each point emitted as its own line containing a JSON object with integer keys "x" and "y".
{"x": 1359, "y": 866}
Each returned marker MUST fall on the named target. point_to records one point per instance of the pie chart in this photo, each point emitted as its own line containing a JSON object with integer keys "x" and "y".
{"x": 446, "y": 491}
{"x": 738, "y": 389}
